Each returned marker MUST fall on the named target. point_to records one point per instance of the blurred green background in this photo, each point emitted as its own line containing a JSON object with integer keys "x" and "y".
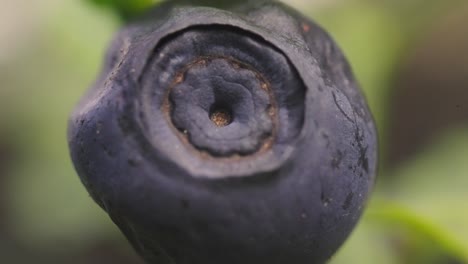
{"x": 411, "y": 57}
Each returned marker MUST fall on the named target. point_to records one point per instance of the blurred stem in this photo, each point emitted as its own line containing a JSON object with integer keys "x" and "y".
{"x": 395, "y": 214}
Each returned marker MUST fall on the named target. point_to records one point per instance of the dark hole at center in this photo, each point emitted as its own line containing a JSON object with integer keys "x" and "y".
{"x": 220, "y": 116}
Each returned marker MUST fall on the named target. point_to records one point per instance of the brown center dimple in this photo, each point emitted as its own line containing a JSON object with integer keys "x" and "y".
{"x": 221, "y": 117}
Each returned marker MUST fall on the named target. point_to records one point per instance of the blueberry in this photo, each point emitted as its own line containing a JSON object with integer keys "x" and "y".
{"x": 227, "y": 136}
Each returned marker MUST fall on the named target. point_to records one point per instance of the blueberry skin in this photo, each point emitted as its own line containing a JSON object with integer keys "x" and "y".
{"x": 284, "y": 182}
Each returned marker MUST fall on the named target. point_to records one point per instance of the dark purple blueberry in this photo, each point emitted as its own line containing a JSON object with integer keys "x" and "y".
{"x": 227, "y": 136}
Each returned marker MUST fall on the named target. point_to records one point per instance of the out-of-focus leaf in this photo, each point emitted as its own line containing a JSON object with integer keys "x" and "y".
{"x": 126, "y": 9}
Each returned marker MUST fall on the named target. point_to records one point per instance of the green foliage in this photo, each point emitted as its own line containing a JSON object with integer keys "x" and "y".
{"x": 126, "y": 9}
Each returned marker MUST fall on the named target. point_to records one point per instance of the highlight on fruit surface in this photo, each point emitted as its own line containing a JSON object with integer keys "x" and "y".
{"x": 227, "y": 136}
